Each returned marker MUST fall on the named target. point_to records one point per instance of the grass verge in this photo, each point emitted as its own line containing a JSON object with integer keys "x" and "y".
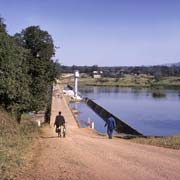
{"x": 172, "y": 142}
{"x": 16, "y": 141}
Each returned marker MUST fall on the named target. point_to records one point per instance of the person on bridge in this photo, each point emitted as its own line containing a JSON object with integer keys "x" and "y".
{"x": 60, "y": 123}
{"x": 111, "y": 125}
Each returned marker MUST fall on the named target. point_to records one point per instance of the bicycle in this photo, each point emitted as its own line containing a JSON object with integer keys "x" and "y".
{"x": 58, "y": 130}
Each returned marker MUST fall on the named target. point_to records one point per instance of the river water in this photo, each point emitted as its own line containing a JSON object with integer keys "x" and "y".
{"x": 136, "y": 107}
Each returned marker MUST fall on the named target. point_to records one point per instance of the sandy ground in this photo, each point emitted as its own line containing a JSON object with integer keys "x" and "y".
{"x": 84, "y": 155}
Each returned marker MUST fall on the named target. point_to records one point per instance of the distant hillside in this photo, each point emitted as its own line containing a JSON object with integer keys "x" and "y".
{"x": 173, "y": 64}
{"x": 177, "y": 64}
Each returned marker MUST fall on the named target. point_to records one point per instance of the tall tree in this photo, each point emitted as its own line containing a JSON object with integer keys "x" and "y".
{"x": 26, "y": 69}
{"x": 14, "y": 81}
{"x": 38, "y": 41}
{"x": 41, "y": 66}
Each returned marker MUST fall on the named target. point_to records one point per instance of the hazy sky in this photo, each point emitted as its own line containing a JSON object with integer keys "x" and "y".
{"x": 103, "y": 32}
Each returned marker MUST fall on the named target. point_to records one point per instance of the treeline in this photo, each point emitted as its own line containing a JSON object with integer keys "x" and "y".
{"x": 116, "y": 72}
{"x": 27, "y": 70}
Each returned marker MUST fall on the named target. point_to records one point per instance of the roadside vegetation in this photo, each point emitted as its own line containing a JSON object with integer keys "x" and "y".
{"x": 16, "y": 141}
{"x": 172, "y": 142}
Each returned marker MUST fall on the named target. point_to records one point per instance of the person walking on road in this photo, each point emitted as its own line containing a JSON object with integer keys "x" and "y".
{"x": 60, "y": 123}
{"x": 111, "y": 125}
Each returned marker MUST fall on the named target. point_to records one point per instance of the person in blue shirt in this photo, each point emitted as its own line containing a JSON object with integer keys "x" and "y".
{"x": 111, "y": 125}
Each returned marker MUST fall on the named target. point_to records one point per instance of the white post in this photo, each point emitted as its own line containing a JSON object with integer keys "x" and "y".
{"x": 92, "y": 125}
{"x": 39, "y": 123}
{"x": 76, "y": 75}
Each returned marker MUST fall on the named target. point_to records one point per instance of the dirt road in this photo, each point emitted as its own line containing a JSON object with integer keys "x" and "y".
{"x": 84, "y": 155}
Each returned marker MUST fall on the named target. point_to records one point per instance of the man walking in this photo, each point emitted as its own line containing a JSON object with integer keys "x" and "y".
{"x": 60, "y": 122}
{"x": 111, "y": 125}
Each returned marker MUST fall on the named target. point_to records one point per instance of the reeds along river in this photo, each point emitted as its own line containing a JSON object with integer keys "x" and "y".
{"x": 149, "y": 114}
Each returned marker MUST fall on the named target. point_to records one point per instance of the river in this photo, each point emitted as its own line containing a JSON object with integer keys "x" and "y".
{"x": 137, "y": 107}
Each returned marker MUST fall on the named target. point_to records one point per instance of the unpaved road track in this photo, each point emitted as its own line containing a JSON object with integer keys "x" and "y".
{"x": 84, "y": 155}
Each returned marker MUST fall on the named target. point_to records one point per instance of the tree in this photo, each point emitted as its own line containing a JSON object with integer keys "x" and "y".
{"x": 41, "y": 66}
{"x": 39, "y": 42}
{"x": 26, "y": 70}
{"x": 14, "y": 81}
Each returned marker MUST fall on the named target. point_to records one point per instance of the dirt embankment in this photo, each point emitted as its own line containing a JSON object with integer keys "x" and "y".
{"x": 85, "y": 155}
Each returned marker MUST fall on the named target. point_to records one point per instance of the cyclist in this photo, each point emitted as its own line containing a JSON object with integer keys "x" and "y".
{"x": 60, "y": 123}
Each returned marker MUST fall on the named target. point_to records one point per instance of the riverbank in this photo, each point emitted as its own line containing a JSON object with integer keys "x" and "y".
{"x": 129, "y": 81}
{"x": 172, "y": 142}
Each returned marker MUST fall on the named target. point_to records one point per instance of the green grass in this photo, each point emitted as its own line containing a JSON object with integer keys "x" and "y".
{"x": 129, "y": 81}
{"x": 15, "y": 141}
{"x": 172, "y": 142}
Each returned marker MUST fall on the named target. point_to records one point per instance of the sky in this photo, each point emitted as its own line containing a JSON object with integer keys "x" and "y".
{"x": 102, "y": 32}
